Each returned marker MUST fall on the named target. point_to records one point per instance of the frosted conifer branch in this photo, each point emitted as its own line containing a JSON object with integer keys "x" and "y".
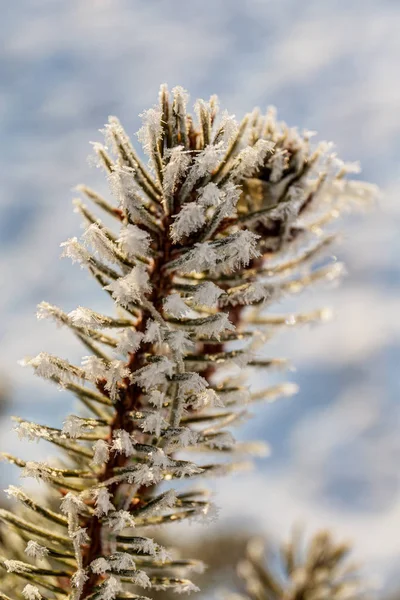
{"x": 228, "y": 218}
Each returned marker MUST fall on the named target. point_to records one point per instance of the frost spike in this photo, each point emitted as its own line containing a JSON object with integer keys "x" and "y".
{"x": 128, "y": 154}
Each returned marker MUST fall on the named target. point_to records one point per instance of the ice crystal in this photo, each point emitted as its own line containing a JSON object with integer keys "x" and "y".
{"x": 134, "y": 241}
{"x": 100, "y": 566}
{"x": 131, "y": 288}
{"x": 129, "y": 341}
{"x": 74, "y": 426}
{"x": 94, "y": 368}
{"x": 31, "y": 592}
{"x": 190, "y": 219}
{"x": 154, "y": 333}
{"x": 103, "y": 502}
{"x": 175, "y": 306}
{"x": 152, "y": 423}
{"x": 207, "y": 294}
{"x": 36, "y": 550}
{"x": 122, "y": 442}
{"x": 214, "y": 326}
{"x": 110, "y": 588}
{"x": 101, "y": 452}
{"x": 120, "y": 519}
{"x": 16, "y": 566}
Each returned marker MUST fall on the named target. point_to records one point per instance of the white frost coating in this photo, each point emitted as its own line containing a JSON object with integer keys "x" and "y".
{"x": 185, "y": 437}
{"x": 278, "y": 162}
{"x": 101, "y": 453}
{"x": 80, "y": 536}
{"x": 164, "y": 502}
{"x": 100, "y": 566}
{"x": 231, "y": 192}
{"x": 191, "y": 218}
{"x": 208, "y": 398}
{"x": 122, "y": 442}
{"x": 152, "y": 423}
{"x": 120, "y": 520}
{"x": 253, "y": 293}
{"x": 192, "y": 383}
{"x": 228, "y": 125}
{"x": 202, "y": 258}
{"x": 240, "y": 250}
{"x": 49, "y": 311}
{"x": 129, "y": 341}
{"x": 85, "y": 317}
{"x": 131, "y": 288}
{"x": 159, "y": 459}
{"x": 215, "y": 325}
{"x": 145, "y": 545}
{"x": 31, "y": 592}
{"x": 180, "y": 341}
{"x": 163, "y": 554}
{"x": 209, "y": 195}
{"x": 156, "y": 398}
{"x": 36, "y": 550}
{"x": 94, "y": 368}
{"x": 201, "y": 107}
{"x": 186, "y": 588}
{"x": 95, "y": 159}
{"x": 74, "y": 426}
{"x": 14, "y": 492}
{"x": 96, "y": 237}
{"x": 181, "y": 98}
{"x": 16, "y": 566}
{"x": 78, "y": 580}
{"x": 154, "y": 373}
{"x": 134, "y": 241}
{"x": 175, "y": 306}
{"x": 206, "y": 161}
{"x": 252, "y": 157}
{"x": 187, "y": 470}
{"x": 127, "y": 192}
{"x": 154, "y": 333}
{"x": 36, "y": 470}
{"x": 207, "y": 294}
{"x": 48, "y": 366}
{"x": 103, "y": 502}
{"x": 110, "y": 588}
{"x": 175, "y": 169}
{"x": 142, "y": 475}
{"x": 142, "y": 579}
{"x": 151, "y": 132}
{"x": 115, "y": 373}
{"x": 121, "y": 561}
{"x": 29, "y": 431}
{"x": 75, "y": 251}
{"x": 72, "y": 505}
{"x": 259, "y": 291}
{"x": 224, "y": 199}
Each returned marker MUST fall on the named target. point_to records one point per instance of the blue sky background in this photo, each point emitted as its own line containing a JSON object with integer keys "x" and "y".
{"x": 330, "y": 66}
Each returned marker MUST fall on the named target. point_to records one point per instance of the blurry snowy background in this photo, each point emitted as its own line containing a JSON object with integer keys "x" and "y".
{"x": 327, "y": 65}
